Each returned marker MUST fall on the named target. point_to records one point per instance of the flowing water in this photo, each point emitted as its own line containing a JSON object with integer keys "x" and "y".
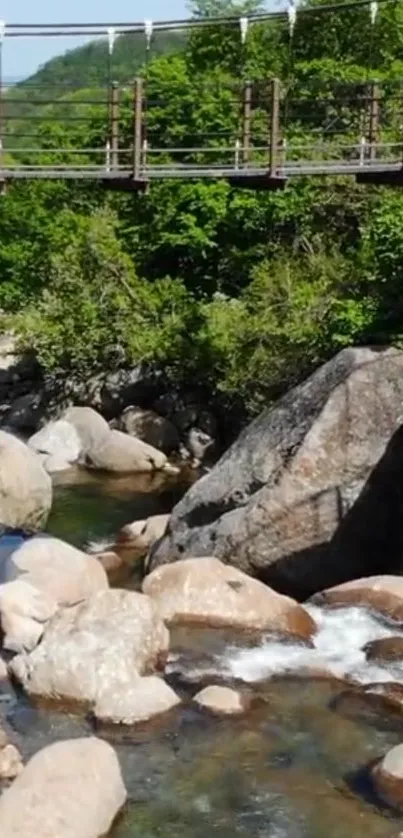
{"x": 295, "y": 766}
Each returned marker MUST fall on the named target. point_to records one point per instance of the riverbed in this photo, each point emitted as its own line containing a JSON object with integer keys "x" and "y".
{"x": 293, "y": 767}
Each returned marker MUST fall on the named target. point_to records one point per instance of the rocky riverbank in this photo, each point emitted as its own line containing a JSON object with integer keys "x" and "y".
{"x": 200, "y": 639}
{"x": 183, "y": 422}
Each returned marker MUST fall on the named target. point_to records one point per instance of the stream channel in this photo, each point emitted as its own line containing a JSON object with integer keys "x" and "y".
{"x": 294, "y": 766}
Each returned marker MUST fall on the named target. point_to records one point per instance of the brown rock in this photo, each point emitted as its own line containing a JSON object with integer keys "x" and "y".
{"x": 379, "y": 698}
{"x": 386, "y": 649}
{"x": 207, "y": 592}
{"x": 110, "y": 561}
{"x": 276, "y": 503}
{"x": 222, "y": 700}
{"x": 99, "y": 647}
{"x": 388, "y": 777}
{"x": 382, "y": 593}
{"x": 71, "y": 788}
{"x": 387, "y": 694}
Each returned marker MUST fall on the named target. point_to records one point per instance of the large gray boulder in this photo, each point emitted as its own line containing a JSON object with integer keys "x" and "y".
{"x": 310, "y": 495}
{"x": 151, "y": 428}
{"x": 71, "y": 789}
{"x": 25, "y": 487}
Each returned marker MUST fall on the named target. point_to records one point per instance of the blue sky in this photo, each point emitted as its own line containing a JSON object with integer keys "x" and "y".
{"x": 23, "y": 55}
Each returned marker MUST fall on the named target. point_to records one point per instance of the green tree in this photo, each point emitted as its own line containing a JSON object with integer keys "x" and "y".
{"x": 225, "y": 8}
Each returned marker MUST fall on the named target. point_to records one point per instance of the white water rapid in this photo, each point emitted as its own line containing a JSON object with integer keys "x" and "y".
{"x": 338, "y": 648}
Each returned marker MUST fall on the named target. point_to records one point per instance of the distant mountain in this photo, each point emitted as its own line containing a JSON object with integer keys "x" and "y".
{"x": 88, "y": 65}
{"x": 85, "y": 69}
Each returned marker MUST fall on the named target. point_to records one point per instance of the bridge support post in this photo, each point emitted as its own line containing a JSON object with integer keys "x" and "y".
{"x": 274, "y": 127}
{"x": 137, "y": 127}
{"x": 373, "y": 133}
{"x": 115, "y": 126}
{"x": 247, "y": 114}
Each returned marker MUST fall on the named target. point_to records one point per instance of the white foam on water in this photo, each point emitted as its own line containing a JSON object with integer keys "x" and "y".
{"x": 338, "y": 648}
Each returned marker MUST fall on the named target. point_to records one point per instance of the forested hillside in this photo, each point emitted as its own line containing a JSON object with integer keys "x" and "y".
{"x": 244, "y": 292}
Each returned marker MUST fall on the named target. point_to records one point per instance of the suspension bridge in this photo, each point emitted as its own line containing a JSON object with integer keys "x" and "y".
{"x": 272, "y": 131}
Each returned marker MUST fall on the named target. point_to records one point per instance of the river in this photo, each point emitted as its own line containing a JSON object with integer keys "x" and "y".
{"x": 293, "y": 767}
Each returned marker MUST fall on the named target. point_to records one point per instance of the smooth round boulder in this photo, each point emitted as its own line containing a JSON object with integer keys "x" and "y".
{"x": 380, "y": 593}
{"x": 71, "y": 789}
{"x": 388, "y": 777}
{"x": 61, "y": 571}
{"x": 97, "y": 648}
{"x": 59, "y": 441}
{"x": 91, "y": 427}
{"x": 222, "y": 700}
{"x": 118, "y": 452}
{"x": 25, "y": 487}
{"x": 147, "y": 699}
{"x": 151, "y": 428}
{"x": 204, "y": 591}
{"x": 387, "y": 649}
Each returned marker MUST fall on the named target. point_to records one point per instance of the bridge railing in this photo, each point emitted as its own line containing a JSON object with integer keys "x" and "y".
{"x": 128, "y": 129}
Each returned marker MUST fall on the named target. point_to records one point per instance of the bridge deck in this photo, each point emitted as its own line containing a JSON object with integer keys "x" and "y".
{"x": 250, "y": 177}
{"x": 357, "y": 134}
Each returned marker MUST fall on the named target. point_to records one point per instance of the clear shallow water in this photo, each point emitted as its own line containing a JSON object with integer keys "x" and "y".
{"x": 92, "y": 507}
{"x": 293, "y": 767}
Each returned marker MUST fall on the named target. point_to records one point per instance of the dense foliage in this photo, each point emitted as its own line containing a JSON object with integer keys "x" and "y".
{"x": 244, "y": 292}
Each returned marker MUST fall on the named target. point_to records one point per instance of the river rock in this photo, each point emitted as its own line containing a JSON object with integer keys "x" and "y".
{"x": 207, "y": 592}
{"x": 25, "y": 411}
{"x": 198, "y": 443}
{"x": 59, "y": 442}
{"x": 151, "y": 428}
{"x": 222, "y": 700}
{"x": 24, "y": 611}
{"x": 388, "y": 777}
{"x": 382, "y": 700}
{"x": 11, "y": 763}
{"x": 25, "y": 487}
{"x": 98, "y": 648}
{"x": 387, "y": 649}
{"x": 71, "y": 789}
{"x": 146, "y": 699}
{"x": 120, "y": 452}
{"x": 64, "y": 573}
{"x": 381, "y": 593}
{"x": 134, "y": 540}
{"x": 276, "y": 504}
{"x": 91, "y": 427}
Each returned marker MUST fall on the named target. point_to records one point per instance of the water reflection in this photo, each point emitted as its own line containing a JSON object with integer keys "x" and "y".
{"x": 89, "y": 506}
